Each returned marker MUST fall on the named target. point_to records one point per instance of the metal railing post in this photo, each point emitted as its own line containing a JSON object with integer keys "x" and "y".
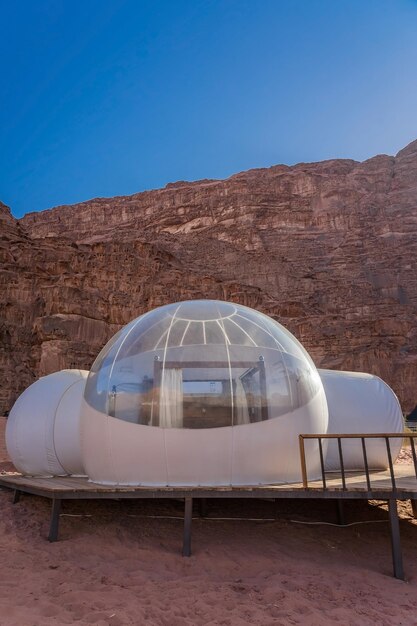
{"x": 413, "y": 452}
{"x": 365, "y": 461}
{"x": 303, "y": 461}
{"x": 342, "y": 466}
{"x": 391, "y": 467}
{"x": 323, "y": 471}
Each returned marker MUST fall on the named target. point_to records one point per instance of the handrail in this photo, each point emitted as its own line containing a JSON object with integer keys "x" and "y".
{"x": 363, "y": 437}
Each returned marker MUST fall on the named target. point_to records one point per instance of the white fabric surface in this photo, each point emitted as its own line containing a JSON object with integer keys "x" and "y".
{"x": 118, "y": 452}
{"x": 31, "y": 438}
{"x": 360, "y": 403}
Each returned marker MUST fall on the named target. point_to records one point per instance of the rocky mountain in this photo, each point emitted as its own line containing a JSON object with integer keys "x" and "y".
{"x": 327, "y": 248}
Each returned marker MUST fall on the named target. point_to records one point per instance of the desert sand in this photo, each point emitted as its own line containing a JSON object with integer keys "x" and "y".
{"x": 118, "y": 563}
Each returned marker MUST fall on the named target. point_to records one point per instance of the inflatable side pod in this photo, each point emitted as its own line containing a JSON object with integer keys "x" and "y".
{"x": 42, "y": 432}
{"x": 361, "y": 403}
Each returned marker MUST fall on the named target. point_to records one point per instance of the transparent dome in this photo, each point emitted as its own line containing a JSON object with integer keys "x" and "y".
{"x": 201, "y": 364}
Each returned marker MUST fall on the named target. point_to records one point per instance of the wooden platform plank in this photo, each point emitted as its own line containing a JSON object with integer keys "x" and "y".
{"x": 65, "y": 486}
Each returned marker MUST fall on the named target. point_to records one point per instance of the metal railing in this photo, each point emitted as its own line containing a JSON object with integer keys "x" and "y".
{"x": 363, "y": 437}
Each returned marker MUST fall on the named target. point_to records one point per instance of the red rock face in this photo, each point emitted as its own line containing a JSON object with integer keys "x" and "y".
{"x": 328, "y": 249}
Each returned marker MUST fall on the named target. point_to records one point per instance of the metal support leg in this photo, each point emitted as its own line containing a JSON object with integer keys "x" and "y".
{"x": 414, "y": 507}
{"x": 188, "y": 516}
{"x": 340, "y": 512}
{"x": 16, "y": 496}
{"x": 202, "y": 507}
{"x": 54, "y": 527}
{"x": 397, "y": 557}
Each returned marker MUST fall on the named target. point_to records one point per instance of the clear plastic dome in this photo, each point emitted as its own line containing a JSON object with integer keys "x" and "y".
{"x": 201, "y": 364}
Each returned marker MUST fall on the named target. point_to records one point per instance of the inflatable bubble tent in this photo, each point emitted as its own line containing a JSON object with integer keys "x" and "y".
{"x": 194, "y": 393}
{"x": 200, "y": 393}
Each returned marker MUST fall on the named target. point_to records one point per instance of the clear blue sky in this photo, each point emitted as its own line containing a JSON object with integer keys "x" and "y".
{"x": 111, "y": 97}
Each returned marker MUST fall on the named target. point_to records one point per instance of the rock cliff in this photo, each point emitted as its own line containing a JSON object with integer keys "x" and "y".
{"x": 326, "y": 248}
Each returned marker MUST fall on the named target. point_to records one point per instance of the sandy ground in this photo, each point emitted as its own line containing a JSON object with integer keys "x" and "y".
{"x": 115, "y": 565}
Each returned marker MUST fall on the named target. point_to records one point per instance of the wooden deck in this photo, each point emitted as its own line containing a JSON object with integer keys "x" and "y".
{"x": 69, "y": 487}
{"x": 380, "y": 487}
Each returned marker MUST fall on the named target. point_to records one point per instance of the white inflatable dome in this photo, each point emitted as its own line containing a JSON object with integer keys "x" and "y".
{"x": 42, "y": 432}
{"x": 361, "y": 403}
{"x": 201, "y": 393}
